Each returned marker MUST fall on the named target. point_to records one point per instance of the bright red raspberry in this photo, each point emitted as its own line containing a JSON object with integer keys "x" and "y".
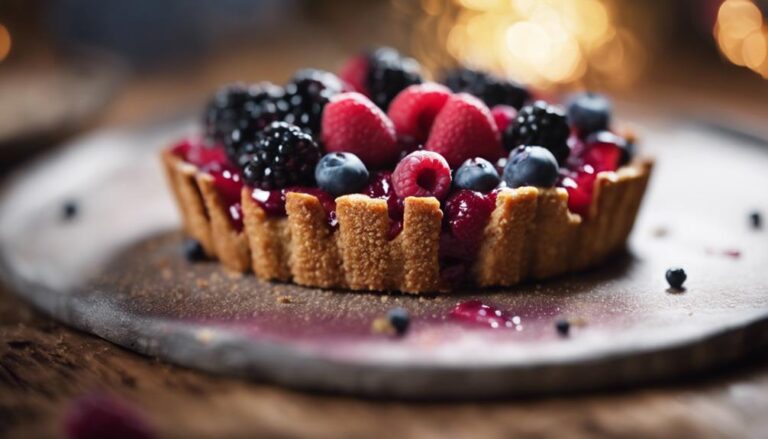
{"x": 414, "y": 110}
{"x": 352, "y": 123}
{"x": 422, "y": 174}
{"x": 463, "y": 129}
{"x": 354, "y": 73}
{"x": 503, "y": 115}
{"x": 603, "y": 151}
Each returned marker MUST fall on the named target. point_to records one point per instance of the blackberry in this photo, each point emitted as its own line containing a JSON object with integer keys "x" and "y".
{"x": 490, "y": 88}
{"x": 388, "y": 74}
{"x": 540, "y": 124}
{"x": 238, "y": 109}
{"x": 280, "y": 156}
{"x": 305, "y": 97}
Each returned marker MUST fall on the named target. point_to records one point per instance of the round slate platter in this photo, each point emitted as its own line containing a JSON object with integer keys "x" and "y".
{"x": 116, "y": 270}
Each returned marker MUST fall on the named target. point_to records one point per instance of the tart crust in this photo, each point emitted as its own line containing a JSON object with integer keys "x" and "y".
{"x": 531, "y": 234}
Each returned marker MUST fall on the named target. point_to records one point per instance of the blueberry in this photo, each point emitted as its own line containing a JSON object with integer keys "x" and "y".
{"x": 531, "y": 166}
{"x": 676, "y": 277}
{"x": 476, "y": 174}
{"x": 589, "y": 112}
{"x": 69, "y": 210}
{"x": 563, "y": 327}
{"x": 340, "y": 173}
{"x": 756, "y": 220}
{"x": 193, "y": 250}
{"x": 399, "y": 319}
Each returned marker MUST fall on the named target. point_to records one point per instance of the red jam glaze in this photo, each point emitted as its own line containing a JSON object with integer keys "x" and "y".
{"x": 273, "y": 202}
{"x": 475, "y": 312}
{"x": 466, "y": 215}
{"x": 580, "y": 185}
{"x": 193, "y": 150}
{"x": 381, "y": 187}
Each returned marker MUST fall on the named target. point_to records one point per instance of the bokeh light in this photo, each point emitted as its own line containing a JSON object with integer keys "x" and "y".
{"x": 742, "y": 35}
{"x": 5, "y": 42}
{"x": 545, "y": 43}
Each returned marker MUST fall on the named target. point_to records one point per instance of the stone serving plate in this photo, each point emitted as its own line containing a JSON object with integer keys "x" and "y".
{"x": 116, "y": 270}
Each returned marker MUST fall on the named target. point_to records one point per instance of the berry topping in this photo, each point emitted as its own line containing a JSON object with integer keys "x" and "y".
{"x": 531, "y": 166}
{"x": 422, "y": 174}
{"x": 477, "y": 313}
{"x": 504, "y": 116}
{"x": 340, "y": 173}
{"x": 194, "y": 151}
{"x": 193, "y": 250}
{"x": 464, "y": 129}
{"x": 355, "y": 73}
{"x": 589, "y": 112}
{"x": 381, "y": 187}
{"x": 676, "y": 278}
{"x": 580, "y": 185}
{"x": 756, "y": 220}
{"x": 467, "y": 213}
{"x": 388, "y": 74}
{"x": 476, "y": 175}
{"x": 237, "y": 110}
{"x": 489, "y": 88}
{"x": 414, "y": 110}
{"x": 543, "y": 125}
{"x": 351, "y": 123}
{"x": 604, "y": 151}
{"x": 563, "y": 327}
{"x": 399, "y": 319}
{"x": 305, "y": 97}
{"x": 283, "y": 155}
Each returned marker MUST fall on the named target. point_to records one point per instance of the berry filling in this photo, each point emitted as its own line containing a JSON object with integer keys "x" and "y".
{"x": 381, "y": 187}
{"x": 273, "y": 202}
{"x": 466, "y": 215}
{"x": 475, "y": 312}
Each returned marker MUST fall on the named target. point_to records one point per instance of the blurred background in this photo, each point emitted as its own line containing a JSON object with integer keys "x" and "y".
{"x": 72, "y": 65}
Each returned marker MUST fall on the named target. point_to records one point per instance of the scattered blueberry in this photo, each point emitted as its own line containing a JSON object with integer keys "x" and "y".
{"x": 531, "y": 166}
{"x": 340, "y": 173}
{"x": 399, "y": 319}
{"x": 589, "y": 112}
{"x": 193, "y": 250}
{"x": 756, "y": 220}
{"x": 69, "y": 210}
{"x": 476, "y": 174}
{"x": 676, "y": 277}
{"x": 563, "y": 327}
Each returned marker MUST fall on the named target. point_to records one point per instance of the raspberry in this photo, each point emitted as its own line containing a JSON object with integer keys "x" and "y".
{"x": 355, "y": 73}
{"x": 503, "y": 115}
{"x": 422, "y": 174}
{"x": 489, "y": 88}
{"x": 283, "y": 155}
{"x": 604, "y": 150}
{"x": 580, "y": 186}
{"x": 540, "y": 124}
{"x": 464, "y": 129}
{"x": 414, "y": 110}
{"x": 388, "y": 74}
{"x": 352, "y": 123}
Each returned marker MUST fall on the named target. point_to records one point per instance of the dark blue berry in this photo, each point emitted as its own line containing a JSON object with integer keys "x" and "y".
{"x": 589, "y": 112}
{"x": 340, "y": 173}
{"x": 531, "y": 166}
{"x": 389, "y": 73}
{"x": 399, "y": 319}
{"x": 756, "y": 220}
{"x": 193, "y": 250}
{"x": 476, "y": 174}
{"x": 540, "y": 124}
{"x": 69, "y": 210}
{"x": 563, "y": 327}
{"x": 676, "y": 277}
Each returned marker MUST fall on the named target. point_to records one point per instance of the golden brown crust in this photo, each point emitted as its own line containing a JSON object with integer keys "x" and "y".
{"x": 531, "y": 234}
{"x": 231, "y": 246}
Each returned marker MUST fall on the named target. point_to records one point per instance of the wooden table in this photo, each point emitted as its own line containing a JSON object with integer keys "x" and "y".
{"x": 44, "y": 365}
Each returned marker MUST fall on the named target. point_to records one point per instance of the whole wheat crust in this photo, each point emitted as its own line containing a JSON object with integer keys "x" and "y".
{"x": 531, "y": 234}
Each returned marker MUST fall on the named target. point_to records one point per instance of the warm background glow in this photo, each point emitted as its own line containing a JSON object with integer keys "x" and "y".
{"x": 545, "y": 43}
{"x": 742, "y": 35}
{"x": 5, "y": 42}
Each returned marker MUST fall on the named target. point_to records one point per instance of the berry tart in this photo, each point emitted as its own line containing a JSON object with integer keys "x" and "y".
{"x": 376, "y": 179}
